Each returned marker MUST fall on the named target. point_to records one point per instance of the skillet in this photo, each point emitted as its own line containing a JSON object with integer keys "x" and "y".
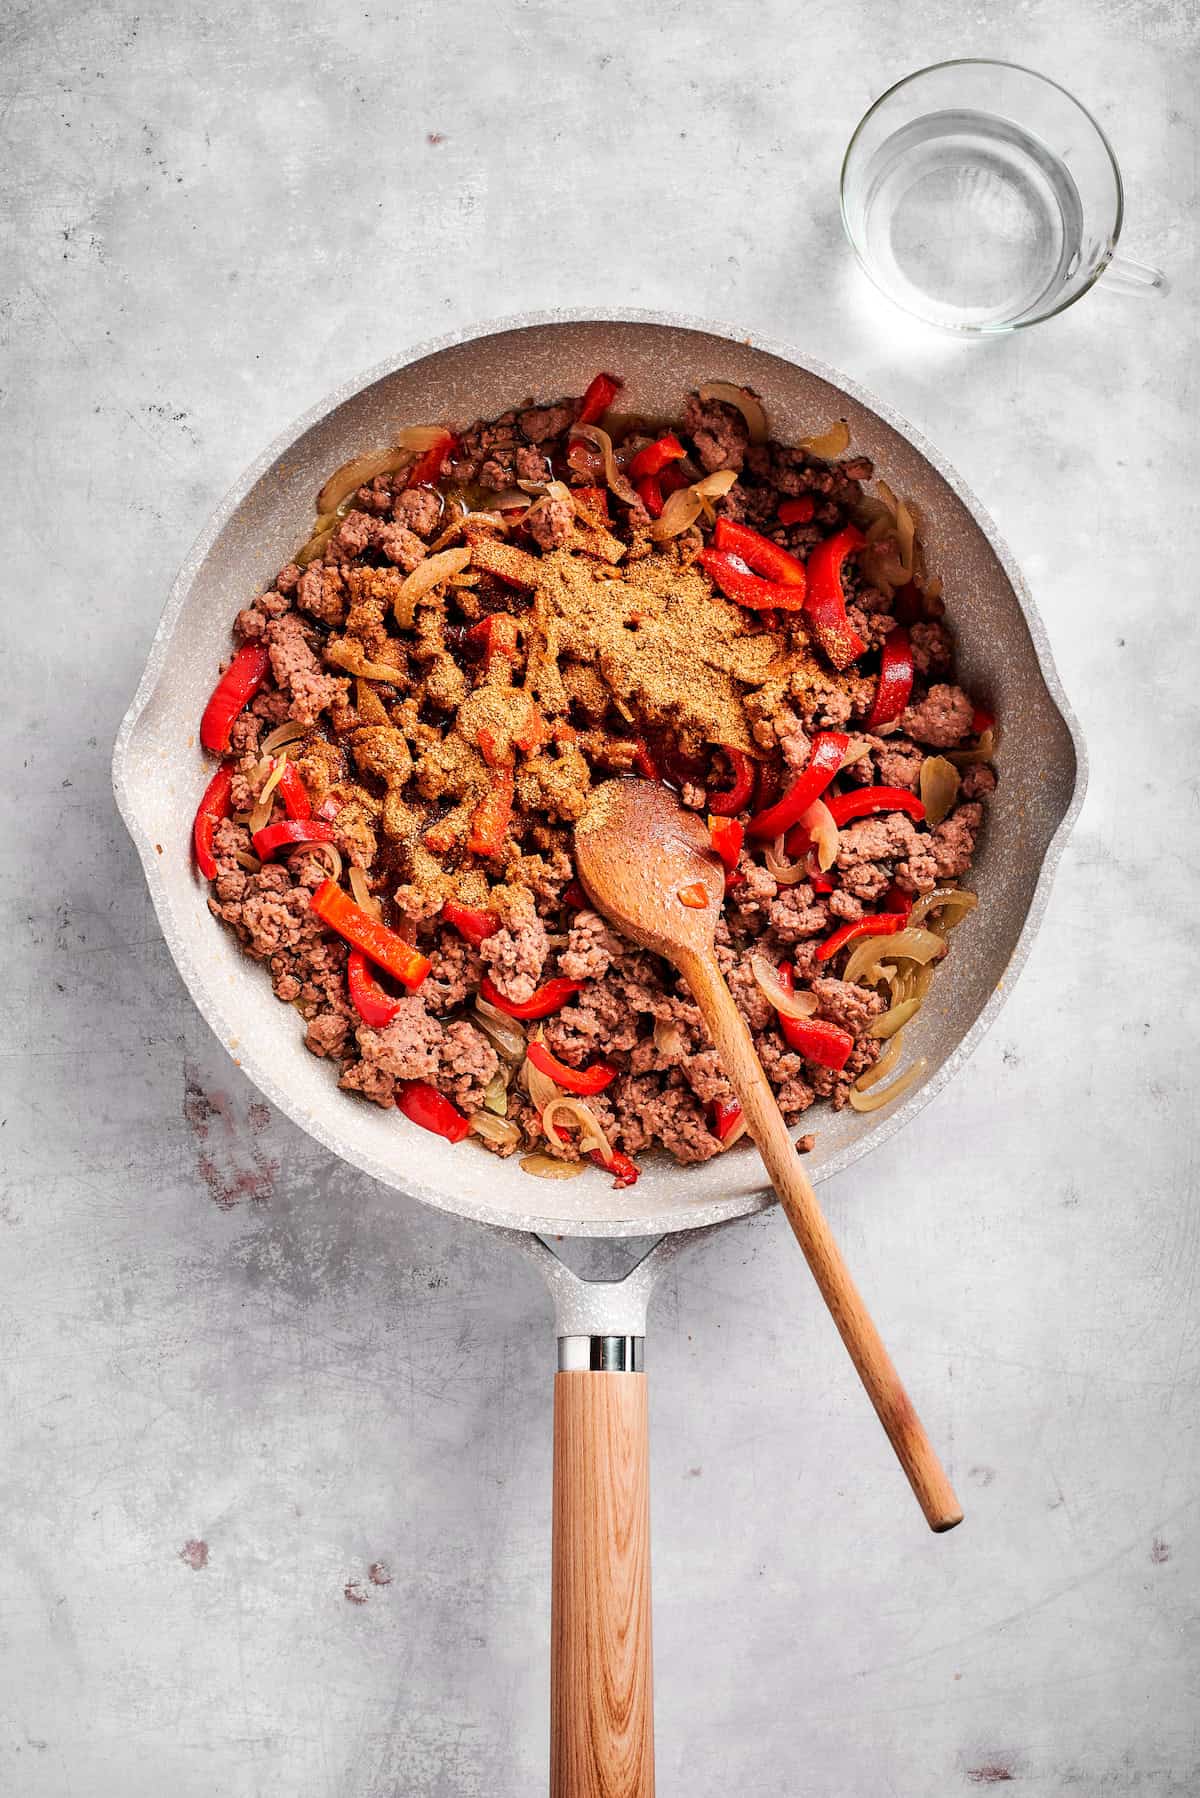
{"x": 601, "y": 1705}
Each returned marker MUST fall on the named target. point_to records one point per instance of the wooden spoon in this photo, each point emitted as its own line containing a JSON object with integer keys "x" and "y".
{"x": 636, "y": 851}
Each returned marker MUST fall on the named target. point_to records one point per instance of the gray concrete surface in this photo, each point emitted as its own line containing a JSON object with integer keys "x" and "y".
{"x": 209, "y": 1335}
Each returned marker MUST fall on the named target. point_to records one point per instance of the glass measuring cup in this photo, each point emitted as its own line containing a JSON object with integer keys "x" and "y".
{"x": 982, "y": 197}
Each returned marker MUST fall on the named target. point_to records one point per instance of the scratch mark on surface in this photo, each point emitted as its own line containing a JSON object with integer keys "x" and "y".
{"x": 993, "y": 1773}
{"x": 1160, "y": 1551}
{"x": 195, "y": 1553}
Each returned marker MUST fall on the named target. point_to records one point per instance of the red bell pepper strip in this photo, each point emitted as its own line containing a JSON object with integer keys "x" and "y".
{"x": 819, "y": 879}
{"x": 425, "y": 1105}
{"x": 884, "y": 923}
{"x": 672, "y": 480}
{"x": 745, "y": 589}
{"x": 289, "y": 833}
{"x": 497, "y": 633}
{"x": 894, "y": 688}
{"x": 649, "y": 491}
{"x": 373, "y": 1005}
{"x": 212, "y": 808}
{"x": 654, "y": 458}
{"x": 626, "y": 1171}
{"x": 981, "y": 720}
{"x": 825, "y": 758}
{"x": 549, "y": 998}
{"x": 726, "y": 1114}
{"x": 728, "y": 835}
{"x": 797, "y": 511}
{"x": 864, "y": 802}
{"x": 759, "y": 554}
{"x": 492, "y": 816}
{"x": 475, "y": 926}
{"x": 825, "y": 605}
{"x": 734, "y": 878}
{"x": 898, "y": 901}
{"x": 294, "y": 793}
{"x": 826, "y": 1044}
{"x": 232, "y": 694}
{"x": 694, "y": 895}
{"x": 575, "y": 897}
{"x": 594, "y": 500}
{"x": 645, "y": 763}
{"x": 379, "y": 944}
{"x": 733, "y": 798}
{"x": 599, "y": 397}
{"x": 585, "y": 1081}
{"x": 426, "y": 471}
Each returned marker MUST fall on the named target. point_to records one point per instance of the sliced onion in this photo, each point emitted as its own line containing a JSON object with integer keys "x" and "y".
{"x": 906, "y": 537}
{"x": 855, "y": 753}
{"x": 541, "y": 1089}
{"x": 746, "y": 401}
{"x": 244, "y": 859}
{"x": 684, "y": 507}
{"x": 882, "y": 1068}
{"x": 284, "y": 735}
{"x": 939, "y": 787}
{"x": 956, "y": 898}
{"x": 830, "y": 443}
{"x": 895, "y": 1019}
{"x": 315, "y": 545}
{"x": 582, "y": 1118}
{"x": 364, "y": 898}
{"x": 426, "y": 575}
{"x": 348, "y": 655}
{"x": 818, "y": 822}
{"x": 873, "y": 1101}
{"x": 502, "y": 1031}
{"x": 984, "y": 752}
{"x": 495, "y": 1093}
{"x": 668, "y": 1038}
{"x": 262, "y": 806}
{"x": 547, "y": 1167}
{"x": 601, "y": 440}
{"x": 783, "y": 872}
{"x": 502, "y": 1131}
{"x": 329, "y": 849}
{"x": 420, "y": 437}
{"x": 915, "y": 944}
{"x": 789, "y": 1005}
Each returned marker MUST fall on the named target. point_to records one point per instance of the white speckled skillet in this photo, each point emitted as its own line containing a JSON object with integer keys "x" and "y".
{"x": 1003, "y": 657}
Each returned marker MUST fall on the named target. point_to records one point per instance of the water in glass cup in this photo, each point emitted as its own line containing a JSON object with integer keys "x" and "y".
{"x": 970, "y": 220}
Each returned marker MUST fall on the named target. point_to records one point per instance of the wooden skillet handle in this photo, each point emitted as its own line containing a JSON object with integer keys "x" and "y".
{"x": 734, "y": 1045}
{"x": 601, "y": 1703}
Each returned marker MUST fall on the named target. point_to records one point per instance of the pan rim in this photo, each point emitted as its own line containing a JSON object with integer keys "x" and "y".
{"x": 672, "y": 1222}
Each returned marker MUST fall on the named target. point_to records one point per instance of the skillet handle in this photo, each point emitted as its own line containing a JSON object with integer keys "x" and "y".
{"x": 601, "y": 1701}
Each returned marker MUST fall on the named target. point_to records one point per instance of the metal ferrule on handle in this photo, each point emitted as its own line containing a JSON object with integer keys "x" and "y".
{"x": 601, "y": 1354}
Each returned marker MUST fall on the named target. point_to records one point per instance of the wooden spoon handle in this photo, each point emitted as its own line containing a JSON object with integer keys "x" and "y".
{"x": 734, "y": 1045}
{"x": 601, "y": 1703}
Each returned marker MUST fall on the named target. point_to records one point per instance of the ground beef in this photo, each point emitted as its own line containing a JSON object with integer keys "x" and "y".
{"x": 977, "y": 782}
{"x": 942, "y": 719}
{"x": 297, "y": 671}
{"x": 954, "y": 841}
{"x": 798, "y": 913}
{"x": 898, "y": 763}
{"x": 932, "y": 650}
{"x": 419, "y": 510}
{"x": 551, "y": 521}
{"x": 322, "y": 594}
{"x": 401, "y": 546}
{"x": 674, "y": 1117}
{"x": 591, "y": 948}
{"x": 718, "y": 432}
{"x": 516, "y": 953}
{"x": 543, "y": 422}
{"x": 466, "y": 1063}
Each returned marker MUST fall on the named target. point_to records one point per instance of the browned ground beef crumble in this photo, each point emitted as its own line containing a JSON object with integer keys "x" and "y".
{"x": 391, "y": 760}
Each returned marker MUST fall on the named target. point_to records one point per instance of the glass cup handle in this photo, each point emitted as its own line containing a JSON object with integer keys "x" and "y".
{"x": 1127, "y": 276}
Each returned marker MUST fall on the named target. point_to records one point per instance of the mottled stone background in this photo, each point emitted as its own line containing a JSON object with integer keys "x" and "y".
{"x": 237, "y": 1378}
